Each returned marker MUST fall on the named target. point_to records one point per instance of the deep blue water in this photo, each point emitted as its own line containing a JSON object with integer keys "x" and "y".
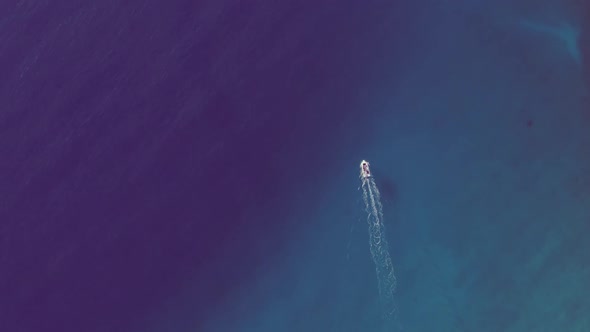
{"x": 193, "y": 166}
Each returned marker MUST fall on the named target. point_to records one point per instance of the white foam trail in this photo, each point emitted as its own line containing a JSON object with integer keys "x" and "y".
{"x": 378, "y": 243}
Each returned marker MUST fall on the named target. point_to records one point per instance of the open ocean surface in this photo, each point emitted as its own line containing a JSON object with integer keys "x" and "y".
{"x": 175, "y": 166}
